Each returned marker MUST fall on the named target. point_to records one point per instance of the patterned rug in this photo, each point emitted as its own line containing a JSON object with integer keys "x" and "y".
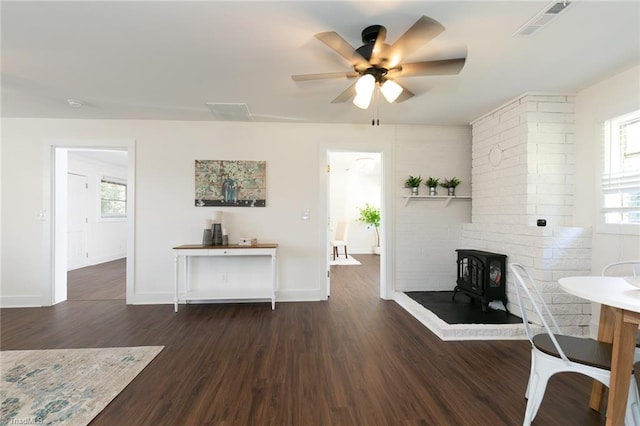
{"x": 66, "y": 386}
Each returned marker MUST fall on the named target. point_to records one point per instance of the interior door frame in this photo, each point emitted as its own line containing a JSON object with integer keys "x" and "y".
{"x": 58, "y": 155}
{"x": 386, "y": 212}
{"x": 85, "y": 214}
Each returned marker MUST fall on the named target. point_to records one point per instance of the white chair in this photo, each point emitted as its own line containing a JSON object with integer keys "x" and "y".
{"x": 342, "y": 229}
{"x": 552, "y": 352}
{"x": 625, "y": 268}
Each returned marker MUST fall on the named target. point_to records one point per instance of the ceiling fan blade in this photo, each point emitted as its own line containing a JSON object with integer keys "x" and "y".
{"x": 342, "y": 47}
{"x": 349, "y": 93}
{"x": 406, "y": 94}
{"x": 325, "y": 75}
{"x": 380, "y": 49}
{"x": 424, "y": 30}
{"x": 441, "y": 67}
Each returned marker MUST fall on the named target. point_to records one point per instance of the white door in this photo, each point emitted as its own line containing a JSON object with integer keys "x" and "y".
{"x": 77, "y": 221}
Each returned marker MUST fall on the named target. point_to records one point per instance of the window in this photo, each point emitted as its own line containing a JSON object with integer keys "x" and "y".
{"x": 621, "y": 172}
{"x": 113, "y": 198}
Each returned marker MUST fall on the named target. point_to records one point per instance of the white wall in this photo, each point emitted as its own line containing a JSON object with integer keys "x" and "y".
{"x": 106, "y": 238}
{"x": 607, "y": 99}
{"x": 428, "y": 230}
{"x": 423, "y": 234}
{"x": 610, "y": 98}
{"x": 165, "y": 215}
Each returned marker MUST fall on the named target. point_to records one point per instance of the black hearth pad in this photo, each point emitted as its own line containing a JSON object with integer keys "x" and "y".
{"x": 460, "y": 311}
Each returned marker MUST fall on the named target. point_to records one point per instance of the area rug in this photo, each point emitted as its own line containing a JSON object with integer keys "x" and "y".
{"x": 66, "y": 386}
{"x": 340, "y": 260}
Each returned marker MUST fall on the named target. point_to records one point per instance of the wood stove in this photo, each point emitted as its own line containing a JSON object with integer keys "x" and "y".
{"x": 481, "y": 276}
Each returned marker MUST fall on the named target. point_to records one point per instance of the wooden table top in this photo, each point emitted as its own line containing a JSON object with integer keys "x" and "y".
{"x": 230, "y": 246}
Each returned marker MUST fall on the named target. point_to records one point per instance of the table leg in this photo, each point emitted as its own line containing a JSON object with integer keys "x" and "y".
{"x": 176, "y": 260}
{"x": 187, "y": 277}
{"x": 624, "y": 342}
{"x": 605, "y": 334}
{"x": 274, "y": 281}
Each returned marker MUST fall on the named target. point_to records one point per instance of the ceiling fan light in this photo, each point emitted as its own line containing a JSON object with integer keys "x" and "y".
{"x": 362, "y": 100}
{"x": 365, "y": 85}
{"x": 391, "y": 90}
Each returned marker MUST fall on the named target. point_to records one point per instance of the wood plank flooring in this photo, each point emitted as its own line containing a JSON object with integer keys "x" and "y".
{"x": 352, "y": 360}
{"x": 106, "y": 281}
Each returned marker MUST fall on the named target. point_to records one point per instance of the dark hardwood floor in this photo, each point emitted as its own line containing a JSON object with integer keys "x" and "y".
{"x": 352, "y": 360}
{"x": 106, "y": 281}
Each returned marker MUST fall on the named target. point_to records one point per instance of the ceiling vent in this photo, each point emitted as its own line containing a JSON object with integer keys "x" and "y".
{"x": 230, "y": 111}
{"x": 543, "y": 18}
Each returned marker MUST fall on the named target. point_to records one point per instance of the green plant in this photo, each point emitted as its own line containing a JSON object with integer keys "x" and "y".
{"x": 432, "y": 182}
{"x": 371, "y": 216}
{"x": 413, "y": 181}
{"x": 450, "y": 183}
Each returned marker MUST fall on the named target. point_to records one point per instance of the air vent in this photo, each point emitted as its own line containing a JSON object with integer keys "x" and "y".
{"x": 557, "y": 8}
{"x": 542, "y": 19}
{"x": 230, "y": 111}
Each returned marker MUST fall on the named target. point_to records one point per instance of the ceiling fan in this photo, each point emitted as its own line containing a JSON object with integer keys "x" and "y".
{"x": 377, "y": 63}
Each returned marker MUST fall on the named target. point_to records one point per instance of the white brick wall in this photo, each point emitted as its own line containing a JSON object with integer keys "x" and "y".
{"x": 427, "y": 232}
{"x": 534, "y": 180}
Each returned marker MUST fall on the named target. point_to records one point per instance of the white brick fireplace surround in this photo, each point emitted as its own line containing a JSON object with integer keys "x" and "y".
{"x": 522, "y": 171}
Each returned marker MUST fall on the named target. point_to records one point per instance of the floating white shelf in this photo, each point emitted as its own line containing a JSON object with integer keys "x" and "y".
{"x": 445, "y": 198}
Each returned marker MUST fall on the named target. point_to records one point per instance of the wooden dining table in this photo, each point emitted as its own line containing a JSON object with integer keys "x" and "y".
{"x": 619, "y": 298}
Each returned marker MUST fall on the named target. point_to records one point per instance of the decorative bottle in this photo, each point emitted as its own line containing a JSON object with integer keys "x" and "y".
{"x": 217, "y": 234}
{"x": 207, "y": 234}
{"x": 207, "y": 239}
{"x": 229, "y": 191}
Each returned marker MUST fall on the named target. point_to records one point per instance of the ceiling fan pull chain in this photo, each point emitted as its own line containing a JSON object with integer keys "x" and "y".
{"x": 373, "y": 114}
{"x": 377, "y": 107}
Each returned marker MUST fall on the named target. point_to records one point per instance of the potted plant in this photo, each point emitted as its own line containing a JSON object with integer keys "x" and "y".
{"x": 413, "y": 182}
{"x": 451, "y": 184}
{"x": 371, "y": 216}
{"x": 432, "y": 183}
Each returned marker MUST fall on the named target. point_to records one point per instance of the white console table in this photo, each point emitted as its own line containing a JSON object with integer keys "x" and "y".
{"x": 188, "y": 251}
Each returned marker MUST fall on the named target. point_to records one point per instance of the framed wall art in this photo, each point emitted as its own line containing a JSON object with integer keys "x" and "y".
{"x": 230, "y": 183}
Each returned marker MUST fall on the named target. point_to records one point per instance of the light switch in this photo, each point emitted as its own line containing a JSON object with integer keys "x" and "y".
{"x": 42, "y": 215}
{"x": 306, "y": 215}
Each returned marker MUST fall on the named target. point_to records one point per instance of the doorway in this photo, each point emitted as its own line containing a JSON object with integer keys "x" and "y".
{"x": 354, "y": 183}
{"x": 77, "y": 224}
{"x": 82, "y": 236}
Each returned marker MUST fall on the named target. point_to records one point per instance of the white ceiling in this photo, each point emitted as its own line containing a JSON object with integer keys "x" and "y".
{"x": 163, "y": 60}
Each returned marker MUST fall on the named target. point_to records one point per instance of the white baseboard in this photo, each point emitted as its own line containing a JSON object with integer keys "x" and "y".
{"x": 99, "y": 260}
{"x": 105, "y": 259}
{"x": 21, "y": 302}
